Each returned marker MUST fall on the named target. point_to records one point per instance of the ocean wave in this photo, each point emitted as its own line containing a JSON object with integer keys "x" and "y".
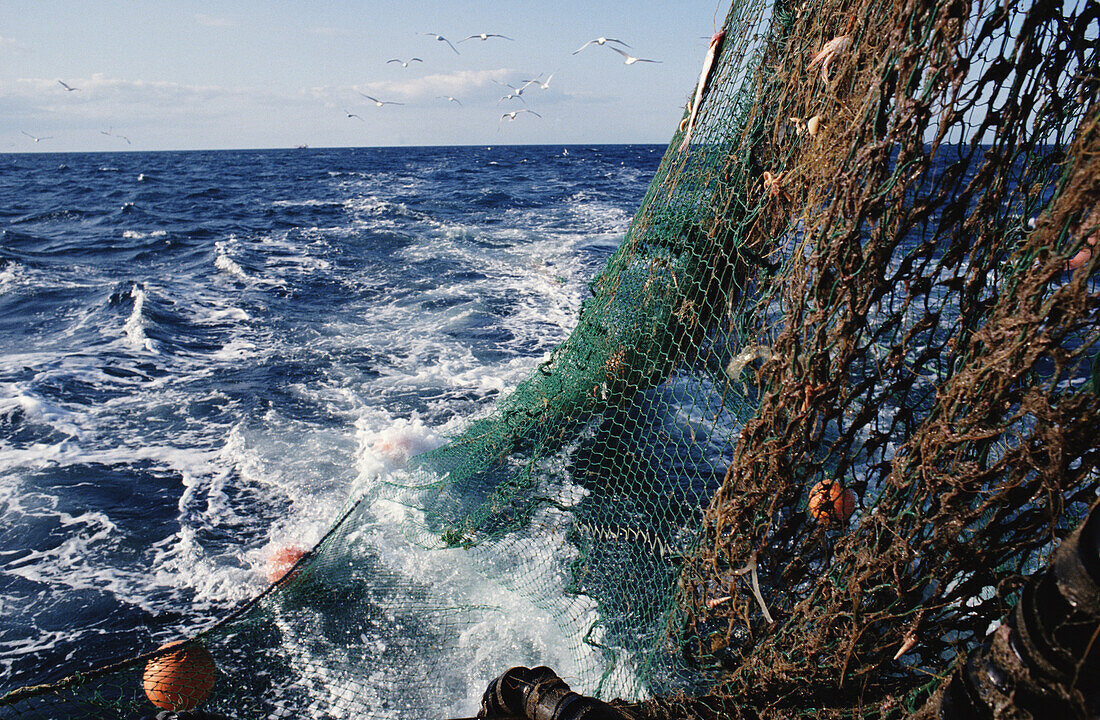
{"x": 10, "y": 275}
{"x": 223, "y": 395}
{"x": 135, "y": 323}
{"x": 136, "y": 235}
{"x": 226, "y": 264}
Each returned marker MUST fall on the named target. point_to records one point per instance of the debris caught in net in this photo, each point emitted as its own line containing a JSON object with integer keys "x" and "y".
{"x": 829, "y": 406}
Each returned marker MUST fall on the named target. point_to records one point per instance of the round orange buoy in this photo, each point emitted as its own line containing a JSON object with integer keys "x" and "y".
{"x": 180, "y": 680}
{"x": 281, "y": 561}
{"x": 831, "y": 502}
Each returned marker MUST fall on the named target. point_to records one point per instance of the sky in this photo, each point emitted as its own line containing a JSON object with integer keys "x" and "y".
{"x": 158, "y": 75}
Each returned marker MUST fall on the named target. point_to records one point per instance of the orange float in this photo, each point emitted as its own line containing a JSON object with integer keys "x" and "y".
{"x": 180, "y": 680}
{"x": 1085, "y": 253}
{"x": 831, "y": 502}
{"x": 281, "y": 561}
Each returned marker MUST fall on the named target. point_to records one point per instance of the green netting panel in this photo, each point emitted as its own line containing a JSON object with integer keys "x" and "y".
{"x": 828, "y": 405}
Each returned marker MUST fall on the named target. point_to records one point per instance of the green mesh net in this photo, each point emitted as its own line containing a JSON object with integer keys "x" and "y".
{"x": 830, "y": 403}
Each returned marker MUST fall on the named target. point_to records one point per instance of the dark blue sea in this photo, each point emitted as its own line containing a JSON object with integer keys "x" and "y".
{"x": 201, "y": 352}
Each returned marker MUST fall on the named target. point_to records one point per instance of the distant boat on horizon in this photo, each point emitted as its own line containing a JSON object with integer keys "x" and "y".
{"x": 303, "y": 146}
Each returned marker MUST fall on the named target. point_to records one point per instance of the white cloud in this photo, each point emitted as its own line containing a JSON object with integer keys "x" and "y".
{"x": 103, "y": 86}
{"x": 119, "y": 101}
{"x": 151, "y": 113}
{"x": 211, "y": 21}
{"x": 469, "y": 86}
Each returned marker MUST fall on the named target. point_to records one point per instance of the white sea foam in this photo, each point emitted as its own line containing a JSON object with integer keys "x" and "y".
{"x": 18, "y": 398}
{"x": 137, "y": 235}
{"x": 226, "y": 264}
{"x": 235, "y": 350}
{"x": 135, "y": 324}
{"x": 276, "y": 473}
{"x": 391, "y": 447}
{"x": 10, "y": 275}
{"x": 512, "y": 596}
{"x": 308, "y": 203}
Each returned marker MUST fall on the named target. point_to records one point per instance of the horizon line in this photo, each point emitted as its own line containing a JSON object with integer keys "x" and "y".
{"x": 329, "y": 147}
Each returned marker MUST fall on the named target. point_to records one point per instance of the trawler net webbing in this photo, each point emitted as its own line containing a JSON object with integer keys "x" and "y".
{"x": 871, "y": 274}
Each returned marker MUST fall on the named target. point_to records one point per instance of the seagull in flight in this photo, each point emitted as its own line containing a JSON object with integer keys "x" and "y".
{"x": 630, "y": 59}
{"x": 539, "y": 82}
{"x": 36, "y": 139}
{"x": 483, "y": 36}
{"x": 378, "y": 102}
{"x": 599, "y": 41}
{"x": 404, "y": 63}
{"x": 110, "y": 133}
{"x": 448, "y": 98}
{"x": 352, "y": 115}
{"x": 512, "y": 115}
{"x": 511, "y": 95}
{"x": 517, "y": 92}
{"x": 440, "y": 38}
{"x": 67, "y": 86}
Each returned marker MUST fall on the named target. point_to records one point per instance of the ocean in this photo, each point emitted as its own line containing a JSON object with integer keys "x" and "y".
{"x": 201, "y": 352}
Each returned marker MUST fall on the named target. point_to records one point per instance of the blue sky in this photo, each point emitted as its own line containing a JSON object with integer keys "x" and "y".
{"x": 188, "y": 75}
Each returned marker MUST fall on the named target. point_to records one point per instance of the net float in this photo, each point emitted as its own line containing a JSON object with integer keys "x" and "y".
{"x": 179, "y": 680}
{"x": 831, "y": 502}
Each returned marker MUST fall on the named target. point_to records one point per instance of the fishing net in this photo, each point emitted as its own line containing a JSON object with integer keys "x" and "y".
{"x": 829, "y": 405}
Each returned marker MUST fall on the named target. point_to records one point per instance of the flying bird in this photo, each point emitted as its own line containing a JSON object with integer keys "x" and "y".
{"x": 630, "y": 59}
{"x": 440, "y": 38}
{"x": 517, "y": 92}
{"x": 378, "y": 102}
{"x": 599, "y": 41}
{"x": 483, "y": 36}
{"x": 448, "y": 98}
{"x": 352, "y": 115}
{"x": 540, "y": 83}
{"x": 404, "y": 63}
{"x": 36, "y": 139}
{"x": 110, "y": 133}
{"x": 67, "y": 87}
{"x": 512, "y": 115}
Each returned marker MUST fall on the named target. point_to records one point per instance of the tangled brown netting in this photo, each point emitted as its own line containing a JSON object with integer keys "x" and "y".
{"x": 931, "y": 336}
{"x": 831, "y": 403}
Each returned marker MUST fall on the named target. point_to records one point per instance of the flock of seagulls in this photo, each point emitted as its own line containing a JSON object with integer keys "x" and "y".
{"x": 70, "y": 88}
{"x": 516, "y": 92}
{"x": 110, "y": 133}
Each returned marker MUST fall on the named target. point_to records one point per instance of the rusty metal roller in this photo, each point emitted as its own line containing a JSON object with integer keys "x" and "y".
{"x": 539, "y": 694}
{"x": 1044, "y": 661}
